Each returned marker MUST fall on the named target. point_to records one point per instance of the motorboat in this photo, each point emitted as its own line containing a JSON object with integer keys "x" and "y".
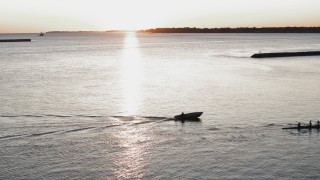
{"x": 188, "y": 116}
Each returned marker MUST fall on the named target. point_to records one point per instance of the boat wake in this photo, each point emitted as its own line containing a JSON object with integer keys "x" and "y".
{"x": 62, "y": 124}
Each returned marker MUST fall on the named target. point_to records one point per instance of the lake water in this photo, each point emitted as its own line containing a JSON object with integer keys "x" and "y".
{"x": 99, "y": 106}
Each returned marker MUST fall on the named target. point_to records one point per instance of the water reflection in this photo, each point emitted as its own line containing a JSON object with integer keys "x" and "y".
{"x": 131, "y": 162}
{"x": 131, "y": 75}
{"x": 133, "y": 139}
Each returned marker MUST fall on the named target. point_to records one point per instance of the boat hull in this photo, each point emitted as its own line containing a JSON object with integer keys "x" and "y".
{"x": 303, "y": 127}
{"x": 188, "y": 116}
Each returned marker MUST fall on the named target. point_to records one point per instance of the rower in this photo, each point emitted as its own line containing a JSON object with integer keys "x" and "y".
{"x": 318, "y": 123}
{"x": 299, "y": 125}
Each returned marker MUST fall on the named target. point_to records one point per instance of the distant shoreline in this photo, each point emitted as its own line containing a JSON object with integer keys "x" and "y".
{"x": 212, "y": 30}
{"x": 76, "y": 31}
{"x": 235, "y": 30}
{"x": 205, "y": 30}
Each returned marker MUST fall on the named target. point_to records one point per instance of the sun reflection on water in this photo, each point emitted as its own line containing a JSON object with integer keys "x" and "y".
{"x": 134, "y": 140}
{"x": 130, "y": 163}
{"x": 131, "y": 75}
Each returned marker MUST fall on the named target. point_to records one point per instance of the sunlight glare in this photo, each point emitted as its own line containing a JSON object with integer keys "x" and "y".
{"x": 130, "y": 163}
{"x": 132, "y": 75}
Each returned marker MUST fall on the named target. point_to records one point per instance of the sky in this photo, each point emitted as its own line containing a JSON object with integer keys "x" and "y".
{"x": 18, "y": 16}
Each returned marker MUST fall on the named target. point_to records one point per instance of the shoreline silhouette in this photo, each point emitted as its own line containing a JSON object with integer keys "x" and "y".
{"x": 211, "y": 30}
{"x": 235, "y": 30}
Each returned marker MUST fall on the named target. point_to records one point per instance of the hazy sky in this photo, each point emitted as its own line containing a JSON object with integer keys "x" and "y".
{"x": 49, "y": 15}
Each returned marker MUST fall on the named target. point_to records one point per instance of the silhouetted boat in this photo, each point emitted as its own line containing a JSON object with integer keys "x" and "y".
{"x": 303, "y": 127}
{"x": 188, "y": 116}
{"x": 41, "y": 34}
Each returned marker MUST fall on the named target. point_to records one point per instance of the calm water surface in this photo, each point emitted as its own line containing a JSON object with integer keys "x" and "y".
{"x": 99, "y": 106}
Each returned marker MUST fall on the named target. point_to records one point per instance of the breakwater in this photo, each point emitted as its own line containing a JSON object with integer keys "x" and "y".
{"x": 285, "y": 54}
{"x": 15, "y": 40}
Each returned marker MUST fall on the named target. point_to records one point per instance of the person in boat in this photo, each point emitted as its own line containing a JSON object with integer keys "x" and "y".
{"x": 182, "y": 114}
{"x": 318, "y": 123}
{"x": 299, "y": 125}
{"x": 310, "y": 123}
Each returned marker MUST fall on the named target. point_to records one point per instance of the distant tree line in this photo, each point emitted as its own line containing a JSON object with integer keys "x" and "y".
{"x": 236, "y": 30}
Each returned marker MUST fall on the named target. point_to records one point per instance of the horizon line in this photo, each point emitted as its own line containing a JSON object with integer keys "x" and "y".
{"x": 139, "y": 30}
